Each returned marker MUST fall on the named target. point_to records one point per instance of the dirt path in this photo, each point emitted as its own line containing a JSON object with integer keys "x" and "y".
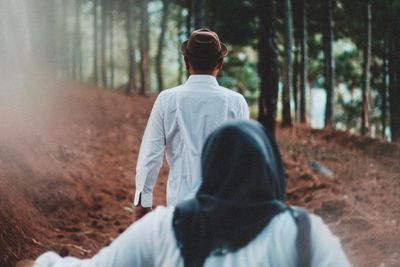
{"x": 360, "y": 202}
{"x": 67, "y": 159}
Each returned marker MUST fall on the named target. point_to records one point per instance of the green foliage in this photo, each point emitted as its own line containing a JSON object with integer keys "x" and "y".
{"x": 348, "y": 68}
{"x": 239, "y": 73}
{"x": 235, "y": 21}
{"x": 348, "y": 111}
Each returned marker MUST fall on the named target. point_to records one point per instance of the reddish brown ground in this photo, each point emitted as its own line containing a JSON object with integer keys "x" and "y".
{"x": 67, "y": 160}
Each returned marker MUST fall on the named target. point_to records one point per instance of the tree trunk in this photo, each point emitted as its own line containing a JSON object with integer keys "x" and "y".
{"x": 64, "y": 41}
{"x": 77, "y": 51}
{"x": 50, "y": 32}
{"x": 394, "y": 90}
{"x": 304, "y": 61}
{"x": 163, "y": 26}
{"x": 296, "y": 70}
{"x": 189, "y": 17}
{"x": 366, "y": 70}
{"x": 288, "y": 72}
{"x": 384, "y": 88}
{"x": 329, "y": 63}
{"x": 267, "y": 64}
{"x": 111, "y": 43}
{"x": 75, "y": 43}
{"x": 130, "y": 36}
{"x": 44, "y": 40}
{"x": 296, "y": 14}
{"x": 144, "y": 48}
{"x": 181, "y": 33}
{"x": 199, "y": 14}
{"x": 95, "y": 43}
{"x": 103, "y": 42}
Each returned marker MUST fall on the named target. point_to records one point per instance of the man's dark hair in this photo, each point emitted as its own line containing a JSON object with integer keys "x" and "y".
{"x": 203, "y": 65}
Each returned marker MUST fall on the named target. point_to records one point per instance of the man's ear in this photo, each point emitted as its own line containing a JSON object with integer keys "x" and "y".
{"x": 220, "y": 63}
{"x": 187, "y": 64}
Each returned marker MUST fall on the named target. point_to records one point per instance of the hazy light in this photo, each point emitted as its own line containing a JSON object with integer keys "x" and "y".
{"x": 15, "y": 41}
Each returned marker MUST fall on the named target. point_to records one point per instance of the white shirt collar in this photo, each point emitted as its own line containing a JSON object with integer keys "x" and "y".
{"x": 200, "y": 78}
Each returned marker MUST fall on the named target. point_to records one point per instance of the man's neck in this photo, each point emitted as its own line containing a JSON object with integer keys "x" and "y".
{"x": 213, "y": 73}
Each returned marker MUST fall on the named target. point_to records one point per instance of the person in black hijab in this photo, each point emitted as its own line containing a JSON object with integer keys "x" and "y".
{"x": 243, "y": 188}
{"x": 237, "y": 218}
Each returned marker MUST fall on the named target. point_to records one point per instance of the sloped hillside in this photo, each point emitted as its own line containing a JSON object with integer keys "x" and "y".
{"x": 67, "y": 161}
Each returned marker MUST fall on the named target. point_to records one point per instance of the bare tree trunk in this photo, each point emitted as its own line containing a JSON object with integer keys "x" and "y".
{"x": 394, "y": 90}
{"x": 296, "y": 68}
{"x": 304, "y": 61}
{"x": 64, "y": 41}
{"x": 95, "y": 42}
{"x": 366, "y": 70}
{"x": 268, "y": 64}
{"x": 111, "y": 43}
{"x": 329, "y": 63}
{"x": 296, "y": 59}
{"x": 181, "y": 32}
{"x": 199, "y": 14}
{"x": 77, "y": 51}
{"x": 144, "y": 48}
{"x": 75, "y": 43}
{"x": 189, "y": 17}
{"x": 163, "y": 26}
{"x": 131, "y": 36}
{"x": 44, "y": 41}
{"x": 50, "y": 33}
{"x": 288, "y": 73}
{"x": 103, "y": 42}
{"x": 384, "y": 88}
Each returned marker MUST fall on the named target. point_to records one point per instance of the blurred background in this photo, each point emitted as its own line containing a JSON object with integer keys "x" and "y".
{"x": 78, "y": 79}
{"x": 326, "y": 63}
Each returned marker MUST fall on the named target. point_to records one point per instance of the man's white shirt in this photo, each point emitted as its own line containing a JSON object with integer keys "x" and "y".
{"x": 180, "y": 121}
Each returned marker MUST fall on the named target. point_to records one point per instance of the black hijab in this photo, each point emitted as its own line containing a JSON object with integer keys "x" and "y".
{"x": 243, "y": 187}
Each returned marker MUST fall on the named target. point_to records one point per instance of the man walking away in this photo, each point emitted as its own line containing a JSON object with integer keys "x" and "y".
{"x": 182, "y": 118}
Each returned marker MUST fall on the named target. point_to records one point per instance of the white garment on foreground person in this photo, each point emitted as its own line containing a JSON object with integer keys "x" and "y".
{"x": 181, "y": 120}
{"x": 151, "y": 242}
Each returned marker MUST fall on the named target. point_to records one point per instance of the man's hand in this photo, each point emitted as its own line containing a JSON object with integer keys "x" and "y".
{"x": 25, "y": 263}
{"x": 141, "y": 211}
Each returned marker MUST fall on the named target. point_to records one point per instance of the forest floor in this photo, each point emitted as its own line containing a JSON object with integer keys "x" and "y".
{"x": 67, "y": 162}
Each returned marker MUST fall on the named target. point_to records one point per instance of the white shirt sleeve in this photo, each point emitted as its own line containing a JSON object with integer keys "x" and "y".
{"x": 244, "y": 107}
{"x": 150, "y": 156}
{"x": 134, "y": 247}
{"x": 326, "y": 248}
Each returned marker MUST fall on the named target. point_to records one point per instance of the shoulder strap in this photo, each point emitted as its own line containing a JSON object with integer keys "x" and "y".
{"x": 303, "y": 239}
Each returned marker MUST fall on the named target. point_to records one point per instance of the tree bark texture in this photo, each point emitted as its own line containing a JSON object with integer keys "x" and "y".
{"x": 189, "y": 5}
{"x": 181, "y": 33}
{"x": 366, "y": 70}
{"x": 296, "y": 58}
{"x": 131, "y": 37}
{"x": 95, "y": 42}
{"x": 288, "y": 71}
{"x": 329, "y": 63}
{"x": 394, "y": 89}
{"x": 163, "y": 26}
{"x": 77, "y": 51}
{"x": 267, "y": 64}
{"x": 384, "y": 88}
{"x": 103, "y": 42}
{"x": 111, "y": 43}
{"x": 303, "y": 61}
{"x": 64, "y": 59}
{"x": 199, "y": 14}
{"x": 144, "y": 48}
